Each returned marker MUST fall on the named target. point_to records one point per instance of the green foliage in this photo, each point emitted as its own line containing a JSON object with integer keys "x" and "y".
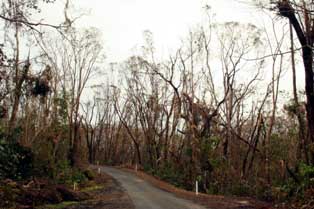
{"x": 8, "y": 194}
{"x": 188, "y": 151}
{"x": 219, "y": 182}
{"x": 14, "y": 135}
{"x": 55, "y": 164}
{"x": 62, "y": 107}
{"x": 293, "y": 109}
{"x": 59, "y": 206}
{"x": 171, "y": 175}
{"x": 307, "y": 174}
{"x": 148, "y": 168}
{"x": 43, "y": 159}
{"x": 65, "y": 174}
{"x": 16, "y": 161}
{"x": 208, "y": 145}
{"x": 240, "y": 188}
{"x": 305, "y": 177}
{"x": 90, "y": 175}
{"x": 92, "y": 188}
{"x": 217, "y": 162}
{"x": 168, "y": 173}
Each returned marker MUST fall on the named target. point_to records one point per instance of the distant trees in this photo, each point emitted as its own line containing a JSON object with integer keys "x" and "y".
{"x": 178, "y": 116}
{"x": 44, "y": 69}
{"x": 15, "y": 16}
{"x": 74, "y": 57}
{"x": 213, "y": 111}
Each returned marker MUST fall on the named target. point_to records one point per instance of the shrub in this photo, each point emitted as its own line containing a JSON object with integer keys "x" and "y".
{"x": 90, "y": 175}
{"x": 16, "y": 161}
{"x": 167, "y": 172}
{"x": 305, "y": 181}
{"x": 67, "y": 174}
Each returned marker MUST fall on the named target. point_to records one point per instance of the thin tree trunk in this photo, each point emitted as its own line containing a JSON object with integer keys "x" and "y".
{"x": 306, "y": 41}
{"x": 301, "y": 143}
{"x": 18, "y": 82}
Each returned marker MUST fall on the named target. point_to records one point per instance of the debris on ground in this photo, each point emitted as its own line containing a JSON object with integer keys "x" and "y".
{"x": 100, "y": 192}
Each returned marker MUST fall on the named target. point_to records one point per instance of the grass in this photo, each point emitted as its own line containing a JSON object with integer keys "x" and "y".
{"x": 58, "y": 206}
{"x": 92, "y": 188}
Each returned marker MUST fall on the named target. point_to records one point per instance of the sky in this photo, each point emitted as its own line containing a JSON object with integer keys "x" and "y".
{"x": 122, "y": 22}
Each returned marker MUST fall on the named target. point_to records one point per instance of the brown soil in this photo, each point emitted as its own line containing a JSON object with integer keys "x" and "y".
{"x": 209, "y": 201}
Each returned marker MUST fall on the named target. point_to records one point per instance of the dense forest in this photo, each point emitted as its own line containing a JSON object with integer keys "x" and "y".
{"x": 231, "y": 108}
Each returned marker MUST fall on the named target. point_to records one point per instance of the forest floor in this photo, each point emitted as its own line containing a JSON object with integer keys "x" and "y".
{"x": 207, "y": 201}
{"x": 109, "y": 195}
{"x": 103, "y": 192}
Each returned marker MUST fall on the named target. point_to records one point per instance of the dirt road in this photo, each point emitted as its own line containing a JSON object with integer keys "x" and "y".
{"x": 146, "y": 196}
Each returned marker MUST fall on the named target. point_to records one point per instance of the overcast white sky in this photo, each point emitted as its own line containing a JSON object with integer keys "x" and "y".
{"x": 122, "y": 22}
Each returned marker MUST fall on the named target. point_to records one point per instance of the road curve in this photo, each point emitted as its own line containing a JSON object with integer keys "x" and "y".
{"x": 146, "y": 196}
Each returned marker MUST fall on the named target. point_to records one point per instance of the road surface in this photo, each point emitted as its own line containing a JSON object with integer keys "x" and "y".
{"x": 146, "y": 196}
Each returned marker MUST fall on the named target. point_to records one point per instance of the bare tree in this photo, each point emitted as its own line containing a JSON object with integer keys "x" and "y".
{"x": 74, "y": 60}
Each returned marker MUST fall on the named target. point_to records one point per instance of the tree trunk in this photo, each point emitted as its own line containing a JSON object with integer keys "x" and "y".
{"x": 306, "y": 41}
{"x": 301, "y": 143}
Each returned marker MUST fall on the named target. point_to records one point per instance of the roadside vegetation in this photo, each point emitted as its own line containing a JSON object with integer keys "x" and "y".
{"x": 219, "y": 110}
